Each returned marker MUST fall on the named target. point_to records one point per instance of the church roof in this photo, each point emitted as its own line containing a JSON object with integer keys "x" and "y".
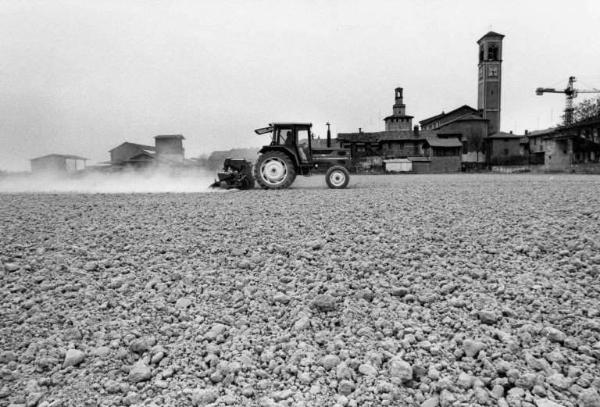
{"x": 431, "y": 119}
{"x": 467, "y": 117}
{"x": 491, "y": 34}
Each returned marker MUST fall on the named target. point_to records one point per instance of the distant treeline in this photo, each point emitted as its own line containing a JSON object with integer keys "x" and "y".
{"x": 214, "y": 161}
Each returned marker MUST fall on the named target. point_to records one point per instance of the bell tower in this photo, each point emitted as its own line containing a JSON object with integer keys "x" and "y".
{"x": 490, "y": 79}
{"x": 399, "y": 120}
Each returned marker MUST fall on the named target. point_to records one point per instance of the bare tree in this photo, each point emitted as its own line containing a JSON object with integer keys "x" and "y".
{"x": 586, "y": 109}
{"x": 476, "y": 143}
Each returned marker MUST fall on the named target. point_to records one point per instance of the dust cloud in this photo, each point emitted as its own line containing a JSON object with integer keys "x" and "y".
{"x": 122, "y": 182}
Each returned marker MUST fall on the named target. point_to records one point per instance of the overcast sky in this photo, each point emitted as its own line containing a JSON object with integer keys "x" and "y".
{"x": 81, "y": 77}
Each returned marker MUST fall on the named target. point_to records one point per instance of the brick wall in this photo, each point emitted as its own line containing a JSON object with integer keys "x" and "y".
{"x": 445, "y": 164}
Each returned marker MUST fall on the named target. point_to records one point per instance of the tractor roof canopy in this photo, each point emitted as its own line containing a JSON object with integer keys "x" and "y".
{"x": 272, "y": 126}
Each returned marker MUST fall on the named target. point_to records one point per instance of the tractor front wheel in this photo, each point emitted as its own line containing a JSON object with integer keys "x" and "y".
{"x": 337, "y": 177}
{"x": 274, "y": 170}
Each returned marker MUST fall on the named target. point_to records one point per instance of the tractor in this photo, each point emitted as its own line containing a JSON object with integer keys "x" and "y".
{"x": 291, "y": 153}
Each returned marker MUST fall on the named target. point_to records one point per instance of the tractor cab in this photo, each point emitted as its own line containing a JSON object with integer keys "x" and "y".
{"x": 291, "y": 153}
{"x": 293, "y": 137}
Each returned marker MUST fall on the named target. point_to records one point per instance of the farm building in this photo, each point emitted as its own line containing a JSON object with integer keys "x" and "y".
{"x": 169, "y": 148}
{"x": 537, "y": 144}
{"x": 57, "y": 164}
{"x": 575, "y": 147}
{"x": 216, "y": 158}
{"x": 508, "y": 149}
{"x": 131, "y": 154}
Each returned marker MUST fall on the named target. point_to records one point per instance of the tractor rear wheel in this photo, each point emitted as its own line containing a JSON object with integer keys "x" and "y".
{"x": 274, "y": 170}
{"x": 337, "y": 177}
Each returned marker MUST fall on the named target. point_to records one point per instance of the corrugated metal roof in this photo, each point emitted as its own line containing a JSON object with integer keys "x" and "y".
{"x": 66, "y": 156}
{"x": 140, "y": 146}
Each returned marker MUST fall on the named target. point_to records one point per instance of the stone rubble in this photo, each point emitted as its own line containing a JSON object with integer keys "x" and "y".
{"x": 419, "y": 291}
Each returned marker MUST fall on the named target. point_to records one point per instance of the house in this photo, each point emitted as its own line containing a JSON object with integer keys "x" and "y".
{"x": 168, "y": 149}
{"x": 508, "y": 149}
{"x": 131, "y": 154}
{"x": 426, "y": 151}
{"x": 57, "y": 164}
{"x": 444, "y": 153}
{"x": 536, "y": 142}
{"x": 571, "y": 148}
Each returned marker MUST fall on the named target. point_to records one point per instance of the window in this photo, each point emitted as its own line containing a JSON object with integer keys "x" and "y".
{"x": 465, "y": 147}
{"x": 506, "y": 151}
{"x": 285, "y": 136}
{"x": 493, "y": 52}
{"x": 302, "y": 136}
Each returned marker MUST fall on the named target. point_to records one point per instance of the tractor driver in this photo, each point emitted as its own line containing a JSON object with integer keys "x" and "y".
{"x": 286, "y": 137}
{"x": 302, "y": 149}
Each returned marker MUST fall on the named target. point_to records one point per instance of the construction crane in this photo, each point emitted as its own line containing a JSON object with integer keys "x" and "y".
{"x": 571, "y": 93}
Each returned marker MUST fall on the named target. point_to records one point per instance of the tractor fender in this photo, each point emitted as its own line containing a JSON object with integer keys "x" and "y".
{"x": 286, "y": 150}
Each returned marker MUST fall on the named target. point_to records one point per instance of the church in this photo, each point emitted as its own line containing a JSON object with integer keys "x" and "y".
{"x": 479, "y": 129}
{"x": 419, "y": 151}
{"x": 462, "y": 138}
